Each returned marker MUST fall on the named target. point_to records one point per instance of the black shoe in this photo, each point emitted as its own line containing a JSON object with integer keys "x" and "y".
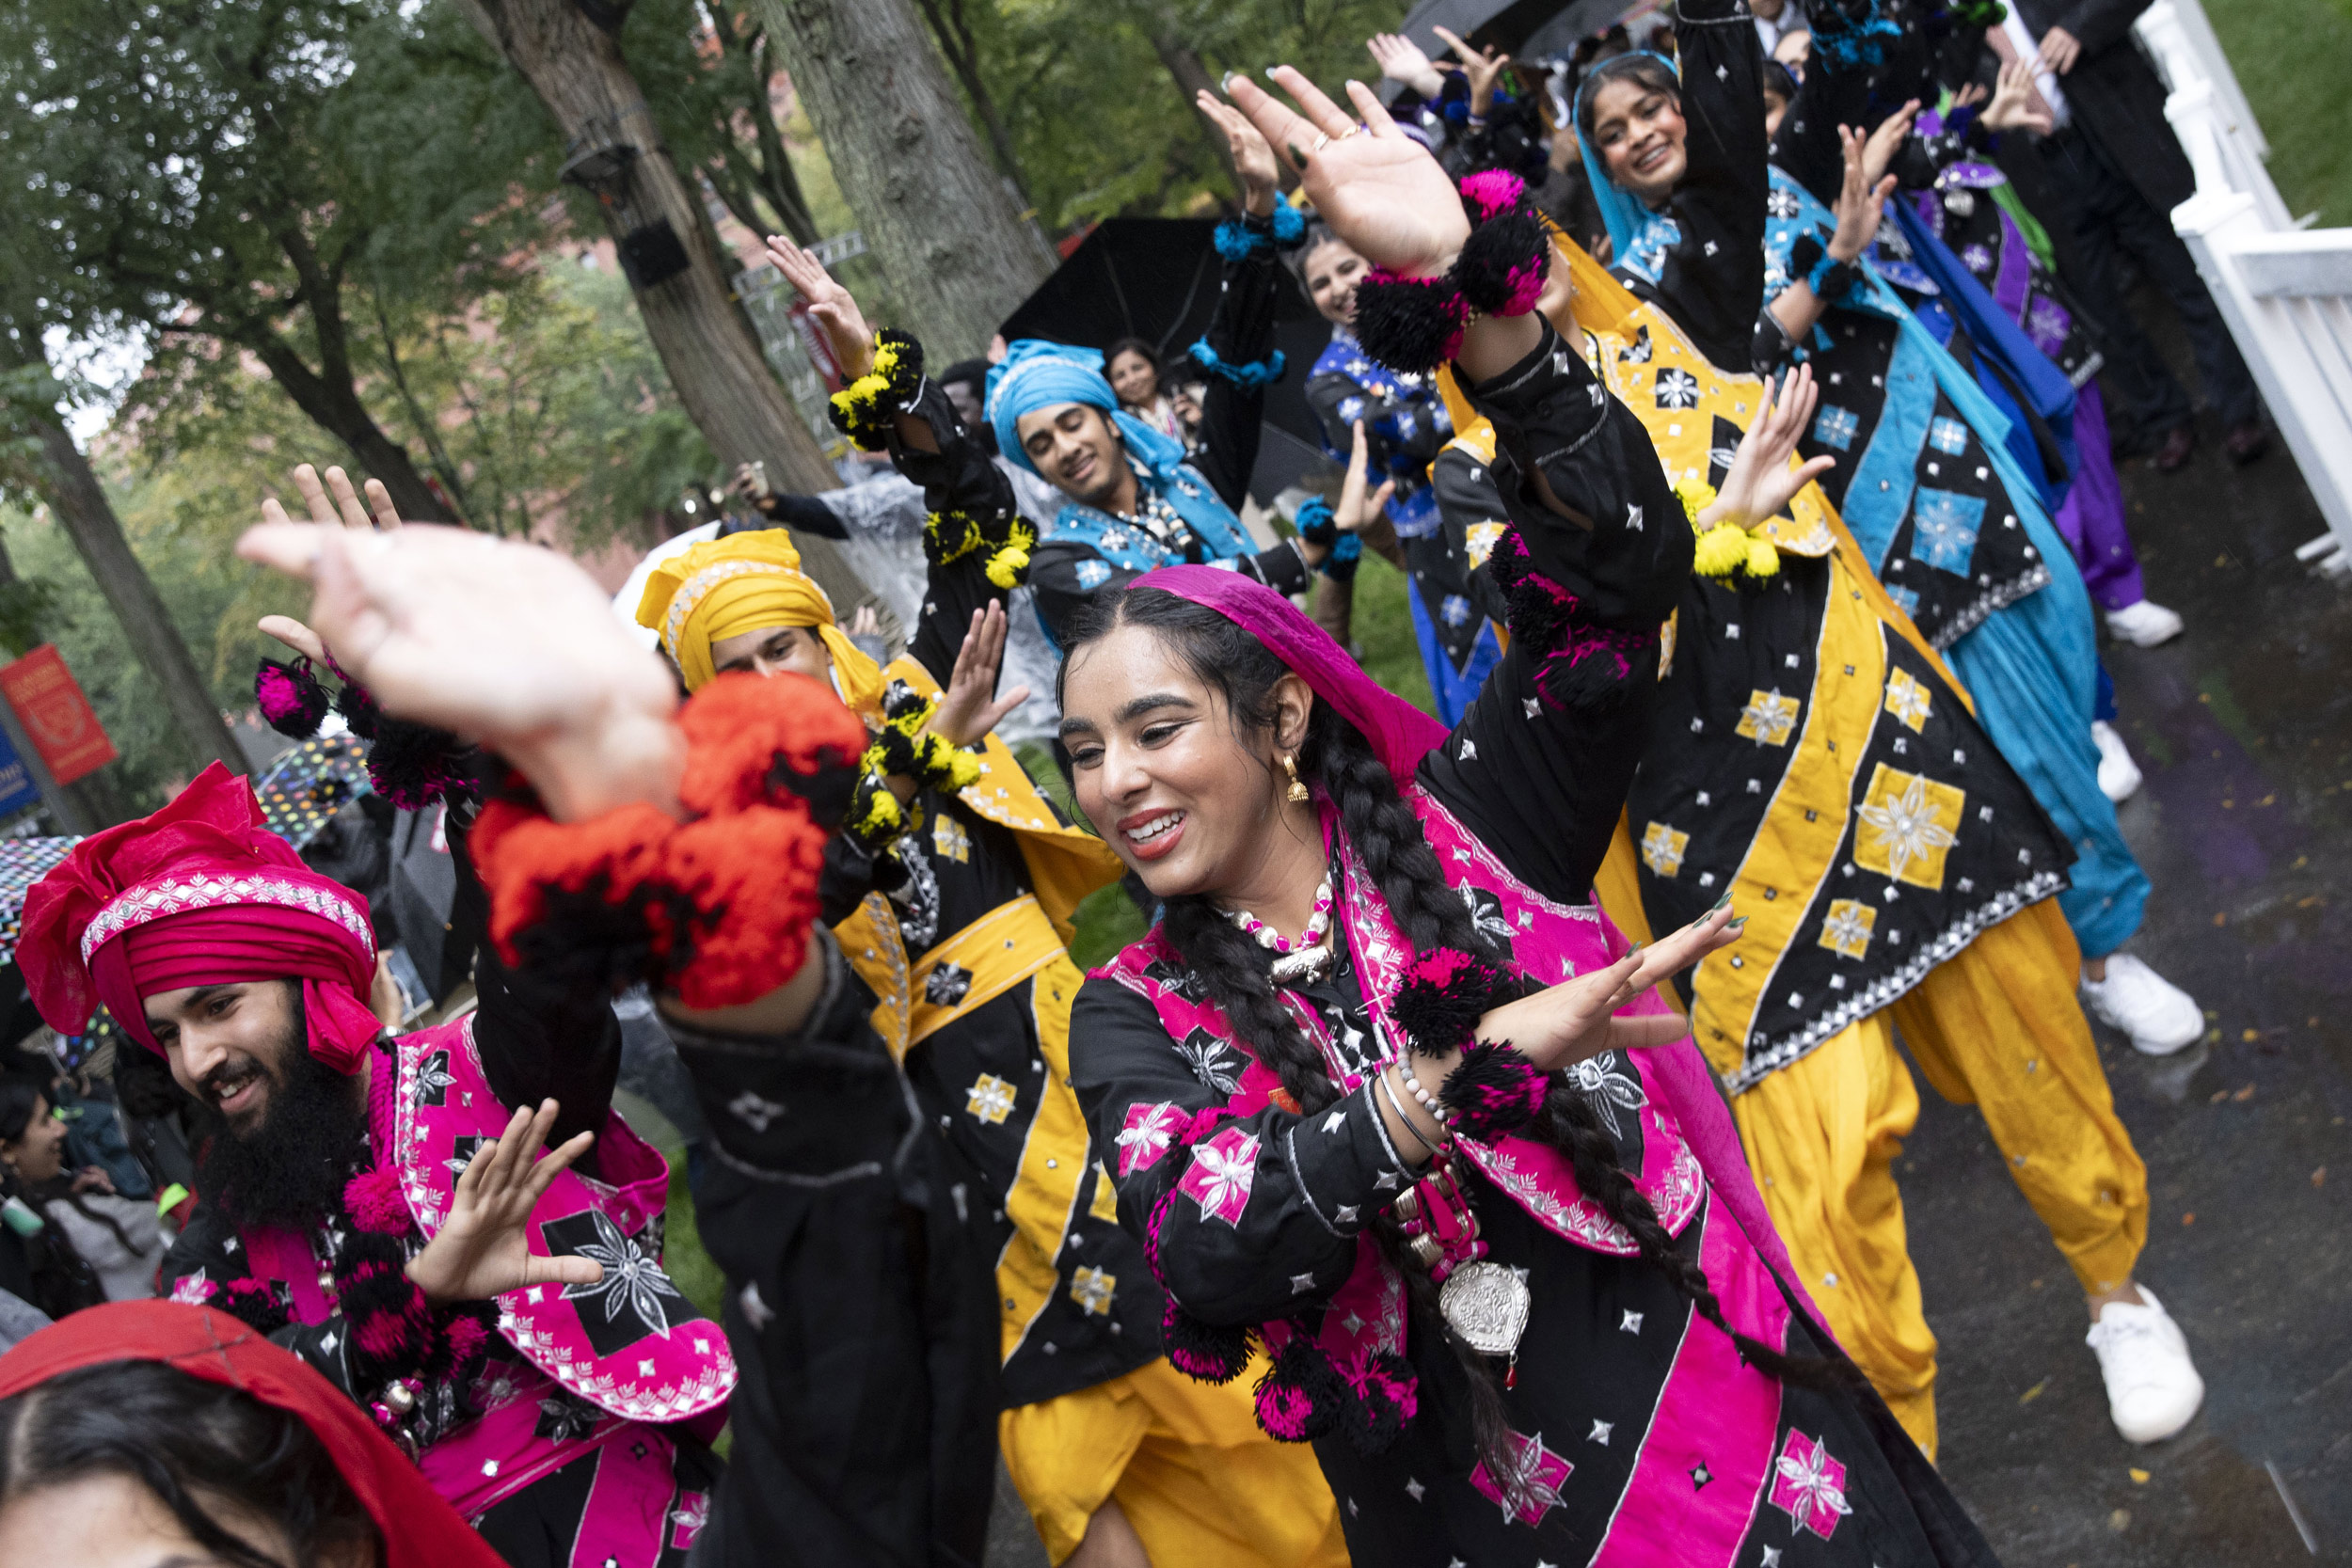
{"x": 2246, "y": 443}
{"x": 2172, "y": 454}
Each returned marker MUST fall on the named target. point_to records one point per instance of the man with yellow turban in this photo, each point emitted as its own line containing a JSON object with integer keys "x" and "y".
{"x": 952, "y": 891}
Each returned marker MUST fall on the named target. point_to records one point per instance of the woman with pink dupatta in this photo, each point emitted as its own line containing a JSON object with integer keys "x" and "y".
{"x": 1384, "y": 1093}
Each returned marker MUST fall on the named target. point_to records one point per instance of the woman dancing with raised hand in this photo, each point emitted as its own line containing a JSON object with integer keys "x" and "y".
{"x": 1815, "y": 755}
{"x": 1371, "y": 1105}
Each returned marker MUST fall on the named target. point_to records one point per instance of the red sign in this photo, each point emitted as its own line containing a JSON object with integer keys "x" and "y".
{"x": 50, "y": 704}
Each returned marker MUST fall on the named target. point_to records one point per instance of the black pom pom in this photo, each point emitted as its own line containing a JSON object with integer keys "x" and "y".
{"x": 358, "y": 706}
{"x": 1803, "y": 256}
{"x": 1495, "y": 1090}
{"x": 1380, "y": 1402}
{"x": 414, "y": 765}
{"x": 1407, "y": 324}
{"x": 290, "y": 697}
{"x": 1444, "y": 996}
{"x": 1504, "y": 262}
{"x": 1203, "y": 1351}
{"x": 1302, "y": 1396}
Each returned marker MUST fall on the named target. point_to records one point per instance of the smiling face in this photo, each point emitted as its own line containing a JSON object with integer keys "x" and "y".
{"x": 40, "y": 1153}
{"x": 1332, "y": 270}
{"x": 1133, "y": 377}
{"x": 774, "y": 650}
{"x": 229, "y": 1044}
{"x": 1189, "y": 803}
{"x": 1077, "y": 450}
{"x": 1638, "y": 130}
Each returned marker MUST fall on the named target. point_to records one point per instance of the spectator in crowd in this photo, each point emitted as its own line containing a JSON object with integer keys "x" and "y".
{"x": 38, "y": 1262}
{"x": 2120, "y": 171}
{"x": 1776, "y": 20}
{"x": 117, "y": 1237}
{"x": 1134, "y": 372}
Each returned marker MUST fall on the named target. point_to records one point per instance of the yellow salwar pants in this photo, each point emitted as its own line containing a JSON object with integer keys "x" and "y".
{"x": 1997, "y": 1027}
{"x": 1202, "y": 1484}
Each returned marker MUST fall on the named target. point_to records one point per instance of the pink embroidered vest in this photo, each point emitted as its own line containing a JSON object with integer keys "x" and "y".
{"x": 597, "y": 1359}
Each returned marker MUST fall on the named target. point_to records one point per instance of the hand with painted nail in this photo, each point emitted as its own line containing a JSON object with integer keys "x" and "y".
{"x": 1576, "y": 1018}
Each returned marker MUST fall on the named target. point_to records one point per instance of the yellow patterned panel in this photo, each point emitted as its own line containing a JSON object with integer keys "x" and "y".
{"x": 1044, "y": 1196}
{"x": 1663, "y": 847}
{"x": 1909, "y": 826}
{"x": 1909, "y": 700}
{"x": 1770, "y": 718}
{"x": 1847, "y": 929}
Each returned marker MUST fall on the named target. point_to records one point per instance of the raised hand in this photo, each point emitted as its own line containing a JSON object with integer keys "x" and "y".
{"x": 968, "y": 709}
{"x": 1253, "y": 160}
{"x": 1861, "y": 198}
{"x": 1576, "y": 1018}
{"x": 483, "y": 1247}
{"x": 1483, "y": 67}
{"x": 1378, "y": 188}
{"x": 835, "y": 311}
{"x": 1401, "y": 59}
{"x": 1356, "y": 509}
{"x": 2012, "y": 105}
{"x": 330, "y": 504}
{"x": 2060, "y": 49}
{"x": 1879, "y": 151}
{"x": 1761, "y": 482}
{"x": 508, "y": 642}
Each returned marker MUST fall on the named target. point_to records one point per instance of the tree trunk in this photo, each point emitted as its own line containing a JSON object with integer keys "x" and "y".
{"x": 936, "y": 216}
{"x": 83, "y": 806}
{"x": 73, "y": 491}
{"x": 337, "y": 410}
{"x": 963, "y": 58}
{"x": 697, "y": 326}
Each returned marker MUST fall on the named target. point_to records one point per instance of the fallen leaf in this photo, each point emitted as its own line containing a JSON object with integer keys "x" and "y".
{"x": 2307, "y": 903}
{"x": 2319, "y": 1177}
{"x": 2229, "y": 805}
{"x": 2188, "y": 1219}
{"x": 2140, "y": 1478}
{"x": 2206, "y": 696}
{"x": 2220, "y": 1095}
{"x": 2250, "y": 1035}
{"x": 2244, "y": 1095}
{"x": 2267, "y": 800}
{"x": 2119, "y": 1520}
{"x": 2033, "y": 1393}
{"x": 2221, "y": 919}
{"x": 2300, "y": 862}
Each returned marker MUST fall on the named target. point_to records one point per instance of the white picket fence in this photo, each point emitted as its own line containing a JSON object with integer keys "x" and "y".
{"x": 2285, "y": 289}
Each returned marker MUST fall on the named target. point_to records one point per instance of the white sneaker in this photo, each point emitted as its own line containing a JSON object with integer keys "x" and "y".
{"x": 2119, "y": 775}
{"x": 2152, "y": 1387}
{"x": 2144, "y": 625}
{"x": 2160, "y": 1017}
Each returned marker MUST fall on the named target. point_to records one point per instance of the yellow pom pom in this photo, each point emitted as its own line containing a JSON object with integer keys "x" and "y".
{"x": 1697, "y": 496}
{"x": 1721, "y": 551}
{"x": 878, "y": 818}
{"x": 1763, "y": 560}
{"x": 963, "y": 768}
{"x": 1008, "y": 566}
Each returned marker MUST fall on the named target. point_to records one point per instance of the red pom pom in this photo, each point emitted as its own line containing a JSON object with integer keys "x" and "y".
{"x": 772, "y": 740}
{"x": 752, "y": 880}
{"x": 374, "y": 1201}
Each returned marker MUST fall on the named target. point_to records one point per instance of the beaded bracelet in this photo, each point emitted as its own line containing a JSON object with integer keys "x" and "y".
{"x": 1402, "y": 1115}
{"x": 1423, "y": 1097}
{"x": 1414, "y": 324}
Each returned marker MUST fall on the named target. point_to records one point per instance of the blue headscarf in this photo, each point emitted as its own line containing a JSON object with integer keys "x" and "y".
{"x": 1638, "y": 238}
{"x": 1037, "y": 374}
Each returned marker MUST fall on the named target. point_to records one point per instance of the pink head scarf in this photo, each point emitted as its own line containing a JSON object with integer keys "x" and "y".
{"x": 1401, "y": 735}
{"x": 199, "y": 893}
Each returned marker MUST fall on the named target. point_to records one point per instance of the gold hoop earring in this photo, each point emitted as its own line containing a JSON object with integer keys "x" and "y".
{"x": 1297, "y": 793}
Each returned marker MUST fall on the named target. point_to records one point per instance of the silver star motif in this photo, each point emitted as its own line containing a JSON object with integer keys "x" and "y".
{"x": 1386, "y": 1181}
{"x": 1301, "y": 1284}
{"x": 1355, "y": 1325}
{"x": 633, "y": 1280}
{"x": 1469, "y": 749}
{"x": 1633, "y": 1324}
{"x": 1345, "y": 1215}
{"x": 1771, "y": 1557}
{"x": 328, "y": 1342}
{"x": 1336, "y": 1120}
{"x": 1533, "y": 706}
{"x": 1634, "y": 518}
{"x": 1414, "y": 1489}
{"x": 1600, "y": 1432}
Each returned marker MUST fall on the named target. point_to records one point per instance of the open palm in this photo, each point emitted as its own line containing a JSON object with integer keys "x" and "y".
{"x": 482, "y": 1249}
{"x": 1378, "y": 188}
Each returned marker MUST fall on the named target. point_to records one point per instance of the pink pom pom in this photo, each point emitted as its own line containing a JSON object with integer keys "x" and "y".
{"x": 376, "y": 1202}
{"x": 1495, "y": 192}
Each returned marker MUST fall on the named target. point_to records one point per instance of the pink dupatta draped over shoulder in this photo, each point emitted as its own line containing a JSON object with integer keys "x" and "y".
{"x": 1401, "y": 735}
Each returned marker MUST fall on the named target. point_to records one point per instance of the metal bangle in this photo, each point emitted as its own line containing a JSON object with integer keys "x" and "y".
{"x": 1381, "y": 1078}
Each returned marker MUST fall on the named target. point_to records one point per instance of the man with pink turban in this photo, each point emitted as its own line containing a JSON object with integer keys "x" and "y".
{"x": 373, "y": 1204}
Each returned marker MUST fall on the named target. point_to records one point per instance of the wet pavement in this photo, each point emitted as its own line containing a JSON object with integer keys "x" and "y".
{"x": 2244, "y": 729}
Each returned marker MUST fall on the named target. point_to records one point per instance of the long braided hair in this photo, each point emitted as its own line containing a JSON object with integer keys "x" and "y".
{"x": 1387, "y": 838}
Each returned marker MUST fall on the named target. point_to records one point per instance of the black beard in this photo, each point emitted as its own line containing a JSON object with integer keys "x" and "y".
{"x": 291, "y": 1169}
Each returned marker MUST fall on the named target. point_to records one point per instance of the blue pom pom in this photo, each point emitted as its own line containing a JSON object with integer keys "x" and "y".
{"x": 1234, "y": 241}
{"x": 1249, "y": 377}
{"x": 1347, "y": 546}
{"x": 1290, "y": 224}
{"x": 1316, "y": 524}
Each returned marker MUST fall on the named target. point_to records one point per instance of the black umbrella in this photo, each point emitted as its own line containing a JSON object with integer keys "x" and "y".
{"x": 1508, "y": 23}
{"x": 1155, "y": 279}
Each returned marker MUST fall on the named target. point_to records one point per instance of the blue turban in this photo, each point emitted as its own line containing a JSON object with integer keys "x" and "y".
{"x": 1036, "y": 374}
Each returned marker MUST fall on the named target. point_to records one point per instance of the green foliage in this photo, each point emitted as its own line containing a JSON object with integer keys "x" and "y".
{"x": 1098, "y": 121}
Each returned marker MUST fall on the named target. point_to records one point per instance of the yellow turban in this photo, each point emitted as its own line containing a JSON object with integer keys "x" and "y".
{"x": 724, "y": 588}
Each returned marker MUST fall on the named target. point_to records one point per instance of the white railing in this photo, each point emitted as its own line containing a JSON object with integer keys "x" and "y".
{"x": 2285, "y": 289}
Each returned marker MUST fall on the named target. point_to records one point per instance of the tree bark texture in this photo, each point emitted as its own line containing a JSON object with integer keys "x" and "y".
{"x": 697, "y": 326}
{"x": 333, "y": 404}
{"x": 936, "y": 216}
{"x": 74, "y": 494}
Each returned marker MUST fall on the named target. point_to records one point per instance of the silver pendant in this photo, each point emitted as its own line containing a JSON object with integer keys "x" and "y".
{"x": 1486, "y": 1305}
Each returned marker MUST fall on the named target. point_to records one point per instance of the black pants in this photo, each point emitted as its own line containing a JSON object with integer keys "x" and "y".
{"x": 2109, "y": 217}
